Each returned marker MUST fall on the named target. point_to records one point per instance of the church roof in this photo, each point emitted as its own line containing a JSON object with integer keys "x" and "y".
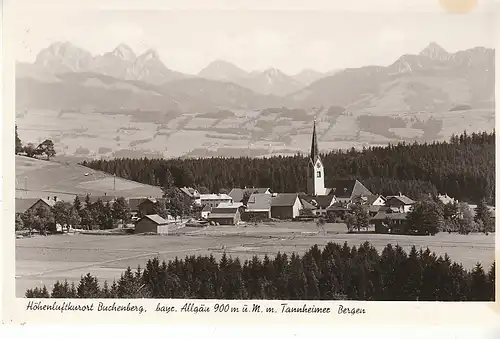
{"x": 314, "y": 145}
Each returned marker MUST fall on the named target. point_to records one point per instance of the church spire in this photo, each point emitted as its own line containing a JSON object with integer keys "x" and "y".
{"x": 314, "y": 145}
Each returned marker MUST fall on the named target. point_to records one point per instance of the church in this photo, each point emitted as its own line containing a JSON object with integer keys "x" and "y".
{"x": 320, "y": 196}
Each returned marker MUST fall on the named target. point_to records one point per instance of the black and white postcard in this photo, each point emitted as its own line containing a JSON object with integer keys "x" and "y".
{"x": 250, "y": 161}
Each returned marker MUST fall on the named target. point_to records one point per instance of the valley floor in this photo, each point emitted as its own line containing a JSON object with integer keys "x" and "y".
{"x": 44, "y": 260}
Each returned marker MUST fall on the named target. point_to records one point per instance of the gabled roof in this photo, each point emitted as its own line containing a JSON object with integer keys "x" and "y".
{"x": 402, "y": 198}
{"x": 238, "y": 193}
{"x": 307, "y": 205}
{"x": 22, "y": 205}
{"x": 259, "y": 201}
{"x": 284, "y": 199}
{"x": 349, "y": 189}
{"x": 189, "y": 191}
{"x": 206, "y": 208}
{"x": 321, "y": 201}
{"x": 133, "y": 203}
{"x": 230, "y": 205}
{"x": 156, "y": 219}
{"x": 214, "y": 196}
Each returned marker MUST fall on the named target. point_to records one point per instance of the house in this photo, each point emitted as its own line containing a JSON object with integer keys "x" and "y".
{"x": 225, "y": 215}
{"x": 337, "y": 211}
{"x": 213, "y": 200}
{"x": 399, "y": 203}
{"x": 147, "y": 207}
{"x": 23, "y": 205}
{"x": 258, "y": 207}
{"x": 152, "y": 223}
{"x": 320, "y": 203}
{"x": 390, "y": 223}
{"x": 348, "y": 190}
{"x": 445, "y": 199}
{"x": 205, "y": 212}
{"x": 239, "y": 193}
{"x": 285, "y": 206}
{"x": 191, "y": 193}
{"x": 370, "y": 200}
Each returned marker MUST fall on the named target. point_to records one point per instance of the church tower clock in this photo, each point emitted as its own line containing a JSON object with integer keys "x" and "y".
{"x": 315, "y": 169}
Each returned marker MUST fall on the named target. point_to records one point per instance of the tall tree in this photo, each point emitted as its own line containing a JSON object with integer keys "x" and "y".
{"x": 426, "y": 217}
{"x": 47, "y": 148}
{"x": 121, "y": 210}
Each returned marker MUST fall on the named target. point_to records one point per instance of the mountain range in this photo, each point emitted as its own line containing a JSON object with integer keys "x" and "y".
{"x": 417, "y": 97}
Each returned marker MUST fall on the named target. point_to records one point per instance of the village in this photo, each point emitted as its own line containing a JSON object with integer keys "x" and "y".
{"x": 347, "y": 201}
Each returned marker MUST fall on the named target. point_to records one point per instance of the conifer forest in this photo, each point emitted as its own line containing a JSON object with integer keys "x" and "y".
{"x": 463, "y": 167}
{"x": 335, "y": 272}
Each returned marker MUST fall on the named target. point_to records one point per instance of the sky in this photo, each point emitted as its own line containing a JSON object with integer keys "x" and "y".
{"x": 291, "y": 37}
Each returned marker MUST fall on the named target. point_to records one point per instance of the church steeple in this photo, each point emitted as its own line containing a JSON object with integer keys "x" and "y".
{"x": 315, "y": 169}
{"x": 314, "y": 145}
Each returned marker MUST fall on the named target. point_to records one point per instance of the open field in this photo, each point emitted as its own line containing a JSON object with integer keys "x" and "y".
{"x": 43, "y": 260}
{"x": 48, "y": 178}
{"x": 93, "y": 134}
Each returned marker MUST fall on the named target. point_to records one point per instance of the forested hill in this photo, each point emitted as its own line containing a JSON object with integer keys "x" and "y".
{"x": 464, "y": 168}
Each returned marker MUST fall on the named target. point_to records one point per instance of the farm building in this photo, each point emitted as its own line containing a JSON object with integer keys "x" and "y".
{"x": 319, "y": 202}
{"x": 152, "y": 224}
{"x": 23, "y": 205}
{"x": 258, "y": 207}
{"x": 400, "y": 203}
{"x": 225, "y": 215}
{"x": 390, "y": 223}
{"x": 446, "y": 199}
{"x": 285, "y": 206}
{"x": 190, "y": 193}
{"x": 238, "y": 193}
{"x": 213, "y": 200}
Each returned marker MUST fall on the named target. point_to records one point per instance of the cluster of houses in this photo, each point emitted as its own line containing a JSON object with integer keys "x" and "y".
{"x": 387, "y": 214}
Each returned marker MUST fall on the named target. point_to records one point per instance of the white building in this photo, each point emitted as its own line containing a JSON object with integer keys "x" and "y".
{"x": 213, "y": 200}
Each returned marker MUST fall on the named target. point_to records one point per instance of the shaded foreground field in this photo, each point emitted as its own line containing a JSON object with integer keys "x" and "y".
{"x": 43, "y": 260}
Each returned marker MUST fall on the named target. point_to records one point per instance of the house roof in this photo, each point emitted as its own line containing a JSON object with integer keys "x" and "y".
{"x": 230, "y": 205}
{"x": 348, "y": 188}
{"x": 133, "y": 203}
{"x": 22, "y": 205}
{"x": 238, "y": 193}
{"x": 402, "y": 198}
{"x": 206, "y": 208}
{"x": 446, "y": 199}
{"x": 322, "y": 201}
{"x": 156, "y": 219}
{"x": 214, "y": 196}
{"x": 392, "y": 216}
{"x": 220, "y": 215}
{"x": 259, "y": 201}
{"x": 369, "y": 199}
{"x": 189, "y": 191}
{"x": 284, "y": 199}
{"x": 374, "y": 208}
{"x": 307, "y": 205}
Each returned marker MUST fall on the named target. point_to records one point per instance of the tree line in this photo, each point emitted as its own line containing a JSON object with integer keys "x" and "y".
{"x": 335, "y": 272}
{"x": 44, "y": 148}
{"x": 463, "y": 167}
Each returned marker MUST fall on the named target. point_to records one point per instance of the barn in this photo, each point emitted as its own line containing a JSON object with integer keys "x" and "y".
{"x": 285, "y": 206}
{"x": 258, "y": 207}
{"x": 152, "y": 223}
{"x": 225, "y": 215}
